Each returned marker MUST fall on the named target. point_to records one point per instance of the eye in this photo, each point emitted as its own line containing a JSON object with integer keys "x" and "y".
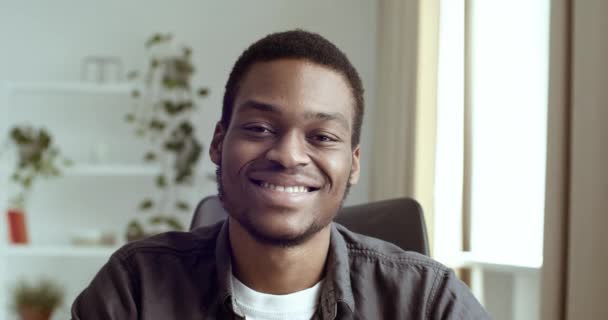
{"x": 323, "y": 138}
{"x": 258, "y": 129}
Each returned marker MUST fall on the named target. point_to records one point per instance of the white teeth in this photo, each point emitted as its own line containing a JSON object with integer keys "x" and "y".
{"x": 290, "y": 189}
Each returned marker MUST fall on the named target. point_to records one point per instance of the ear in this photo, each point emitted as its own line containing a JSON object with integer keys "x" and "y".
{"x": 215, "y": 150}
{"x": 356, "y": 166}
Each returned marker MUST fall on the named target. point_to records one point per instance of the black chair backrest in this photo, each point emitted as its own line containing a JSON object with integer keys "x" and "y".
{"x": 399, "y": 221}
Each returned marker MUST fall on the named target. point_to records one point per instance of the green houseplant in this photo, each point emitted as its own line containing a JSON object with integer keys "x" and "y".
{"x": 163, "y": 106}
{"x": 37, "y": 301}
{"x": 37, "y": 158}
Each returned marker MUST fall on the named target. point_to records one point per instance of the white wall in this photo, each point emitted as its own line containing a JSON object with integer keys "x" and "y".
{"x": 47, "y": 40}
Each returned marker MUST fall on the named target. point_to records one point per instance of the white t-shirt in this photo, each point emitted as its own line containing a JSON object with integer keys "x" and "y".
{"x": 255, "y": 305}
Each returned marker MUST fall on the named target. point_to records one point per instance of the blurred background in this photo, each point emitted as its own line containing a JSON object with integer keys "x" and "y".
{"x": 490, "y": 113}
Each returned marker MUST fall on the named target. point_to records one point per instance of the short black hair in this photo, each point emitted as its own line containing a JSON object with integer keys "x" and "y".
{"x": 295, "y": 44}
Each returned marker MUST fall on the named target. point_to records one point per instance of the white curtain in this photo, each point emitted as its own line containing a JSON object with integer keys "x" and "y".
{"x": 404, "y": 134}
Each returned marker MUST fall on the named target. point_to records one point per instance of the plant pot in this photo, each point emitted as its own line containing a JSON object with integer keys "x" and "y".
{"x": 17, "y": 228}
{"x": 34, "y": 313}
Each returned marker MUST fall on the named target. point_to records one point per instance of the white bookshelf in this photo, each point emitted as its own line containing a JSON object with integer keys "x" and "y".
{"x": 56, "y": 251}
{"x": 99, "y": 191}
{"x": 96, "y": 170}
{"x": 71, "y": 265}
{"x": 68, "y": 87}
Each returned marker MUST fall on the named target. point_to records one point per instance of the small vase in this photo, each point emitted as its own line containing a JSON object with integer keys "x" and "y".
{"x": 33, "y": 313}
{"x": 17, "y": 228}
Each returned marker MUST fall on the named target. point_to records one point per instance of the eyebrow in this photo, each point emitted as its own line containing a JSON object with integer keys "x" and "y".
{"x": 323, "y": 116}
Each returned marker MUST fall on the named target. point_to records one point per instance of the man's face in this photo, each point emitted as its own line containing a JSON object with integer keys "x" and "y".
{"x": 286, "y": 159}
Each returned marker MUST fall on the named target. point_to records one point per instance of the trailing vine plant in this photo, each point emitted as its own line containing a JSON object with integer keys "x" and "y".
{"x": 162, "y": 108}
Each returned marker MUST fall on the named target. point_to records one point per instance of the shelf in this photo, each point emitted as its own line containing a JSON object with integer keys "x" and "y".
{"x": 127, "y": 170}
{"x": 70, "y": 87}
{"x": 111, "y": 170}
{"x": 34, "y": 251}
{"x": 108, "y": 170}
{"x": 496, "y": 263}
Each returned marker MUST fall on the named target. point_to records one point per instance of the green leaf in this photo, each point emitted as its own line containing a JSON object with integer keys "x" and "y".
{"x": 27, "y": 182}
{"x": 156, "y": 124}
{"x": 135, "y": 93}
{"x": 174, "y": 146}
{"x": 158, "y": 38}
{"x": 186, "y": 127}
{"x": 169, "y": 83}
{"x": 135, "y": 231}
{"x": 203, "y": 92}
{"x": 182, "y": 205}
{"x": 161, "y": 181}
{"x": 146, "y": 204}
{"x": 149, "y": 156}
{"x": 157, "y": 220}
{"x": 130, "y": 117}
{"x": 174, "y": 224}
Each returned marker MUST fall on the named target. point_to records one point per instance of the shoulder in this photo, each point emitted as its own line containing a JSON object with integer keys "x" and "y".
{"x": 200, "y": 241}
{"x": 364, "y": 248}
{"x": 402, "y": 275}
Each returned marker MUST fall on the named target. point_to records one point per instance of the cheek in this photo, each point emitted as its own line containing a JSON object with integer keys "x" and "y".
{"x": 338, "y": 169}
{"x": 236, "y": 154}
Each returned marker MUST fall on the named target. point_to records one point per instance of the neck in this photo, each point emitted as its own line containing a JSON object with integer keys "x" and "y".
{"x": 274, "y": 269}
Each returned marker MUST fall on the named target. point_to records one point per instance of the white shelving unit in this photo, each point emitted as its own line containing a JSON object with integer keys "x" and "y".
{"x": 67, "y": 87}
{"x": 27, "y": 251}
{"x": 93, "y": 170}
{"x": 50, "y": 257}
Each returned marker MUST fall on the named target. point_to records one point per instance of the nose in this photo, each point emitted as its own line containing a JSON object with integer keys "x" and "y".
{"x": 289, "y": 150}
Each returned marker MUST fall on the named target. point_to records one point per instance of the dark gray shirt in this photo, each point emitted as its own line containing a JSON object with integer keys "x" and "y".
{"x": 187, "y": 275}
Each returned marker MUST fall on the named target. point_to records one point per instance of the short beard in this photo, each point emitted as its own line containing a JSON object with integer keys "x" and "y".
{"x": 314, "y": 228}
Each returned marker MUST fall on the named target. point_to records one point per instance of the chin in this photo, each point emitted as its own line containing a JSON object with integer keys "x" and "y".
{"x": 278, "y": 234}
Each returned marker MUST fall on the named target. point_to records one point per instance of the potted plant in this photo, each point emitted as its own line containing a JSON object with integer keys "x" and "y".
{"x": 37, "y": 157}
{"x": 162, "y": 109}
{"x": 37, "y": 301}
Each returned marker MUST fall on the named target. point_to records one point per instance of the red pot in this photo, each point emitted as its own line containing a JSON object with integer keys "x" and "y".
{"x": 17, "y": 229}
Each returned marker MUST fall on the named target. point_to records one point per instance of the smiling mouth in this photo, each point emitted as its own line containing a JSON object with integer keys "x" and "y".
{"x": 286, "y": 189}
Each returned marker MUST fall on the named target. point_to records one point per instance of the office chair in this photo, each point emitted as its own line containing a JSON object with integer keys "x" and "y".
{"x": 399, "y": 221}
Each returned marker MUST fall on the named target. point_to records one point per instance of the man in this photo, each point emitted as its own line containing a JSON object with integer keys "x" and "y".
{"x": 287, "y": 151}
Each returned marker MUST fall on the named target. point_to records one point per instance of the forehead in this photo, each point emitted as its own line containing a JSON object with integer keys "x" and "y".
{"x": 296, "y": 87}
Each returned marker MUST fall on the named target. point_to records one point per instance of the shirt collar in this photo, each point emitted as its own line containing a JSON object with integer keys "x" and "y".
{"x": 336, "y": 286}
{"x": 223, "y": 263}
